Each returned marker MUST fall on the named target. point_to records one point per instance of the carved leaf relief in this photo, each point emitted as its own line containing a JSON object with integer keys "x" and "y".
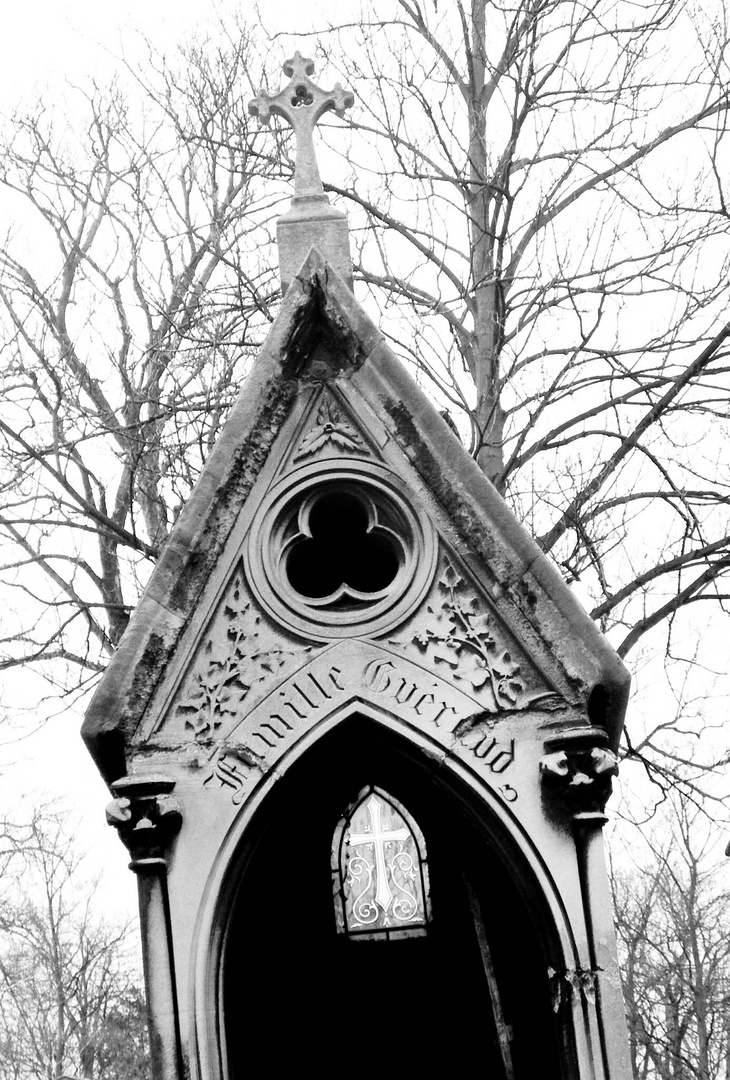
{"x": 458, "y": 632}
{"x": 236, "y": 656}
{"x": 330, "y": 430}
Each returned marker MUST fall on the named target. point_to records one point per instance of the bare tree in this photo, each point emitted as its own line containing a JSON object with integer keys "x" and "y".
{"x": 70, "y": 998}
{"x": 538, "y": 210}
{"x": 671, "y": 918}
{"x": 134, "y": 283}
{"x": 539, "y": 201}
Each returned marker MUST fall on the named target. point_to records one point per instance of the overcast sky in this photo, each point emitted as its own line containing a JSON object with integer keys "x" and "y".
{"x": 43, "y": 41}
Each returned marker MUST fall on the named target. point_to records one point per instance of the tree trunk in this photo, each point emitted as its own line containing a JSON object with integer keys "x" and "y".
{"x": 487, "y": 288}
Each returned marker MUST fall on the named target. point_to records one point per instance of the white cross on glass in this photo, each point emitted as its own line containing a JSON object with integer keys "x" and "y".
{"x": 379, "y": 837}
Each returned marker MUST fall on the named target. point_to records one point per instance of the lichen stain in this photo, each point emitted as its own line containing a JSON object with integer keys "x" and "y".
{"x": 321, "y": 344}
{"x": 250, "y": 456}
{"x": 146, "y": 674}
{"x": 469, "y": 522}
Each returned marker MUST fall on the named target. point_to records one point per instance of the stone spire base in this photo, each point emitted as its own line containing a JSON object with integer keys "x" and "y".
{"x": 313, "y": 222}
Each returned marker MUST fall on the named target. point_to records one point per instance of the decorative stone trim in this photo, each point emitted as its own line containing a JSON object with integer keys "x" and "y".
{"x": 579, "y": 768}
{"x": 302, "y": 103}
{"x": 146, "y": 818}
{"x": 331, "y": 431}
{"x": 286, "y": 522}
{"x": 571, "y": 985}
{"x": 459, "y": 633}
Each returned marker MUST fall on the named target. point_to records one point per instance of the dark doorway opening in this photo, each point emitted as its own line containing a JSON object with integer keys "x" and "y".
{"x": 300, "y": 999}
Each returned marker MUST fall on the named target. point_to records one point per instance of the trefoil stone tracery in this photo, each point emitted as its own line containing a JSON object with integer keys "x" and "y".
{"x": 338, "y": 550}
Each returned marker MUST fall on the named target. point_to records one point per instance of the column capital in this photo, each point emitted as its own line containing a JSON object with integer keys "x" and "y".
{"x": 146, "y": 818}
{"x": 579, "y": 767}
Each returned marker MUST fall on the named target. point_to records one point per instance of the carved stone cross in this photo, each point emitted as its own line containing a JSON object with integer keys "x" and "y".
{"x": 302, "y": 103}
{"x": 379, "y": 837}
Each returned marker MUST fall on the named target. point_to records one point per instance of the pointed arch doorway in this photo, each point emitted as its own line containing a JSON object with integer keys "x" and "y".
{"x": 299, "y": 997}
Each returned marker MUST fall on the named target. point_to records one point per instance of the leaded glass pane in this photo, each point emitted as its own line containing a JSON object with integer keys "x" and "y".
{"x": 379, "y": 861}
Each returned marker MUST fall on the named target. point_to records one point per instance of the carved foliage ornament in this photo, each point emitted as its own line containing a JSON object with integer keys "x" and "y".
{"x": 462, "y": 635}
{"x": 330, "y": 432}
{"x": 236, "y": 657}
{"x": 570, "y": 985}
{"x": 147, "y": 817}
{"x": 582, "y": 776}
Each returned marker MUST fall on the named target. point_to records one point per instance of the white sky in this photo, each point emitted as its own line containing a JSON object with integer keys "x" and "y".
{"x": 44, "y": 41}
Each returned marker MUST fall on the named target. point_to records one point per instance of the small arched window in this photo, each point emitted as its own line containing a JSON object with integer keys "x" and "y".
{"x": 379, "y": 871}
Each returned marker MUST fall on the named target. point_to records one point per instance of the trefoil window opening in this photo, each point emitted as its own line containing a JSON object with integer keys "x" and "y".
{"x": 343, "y": 554}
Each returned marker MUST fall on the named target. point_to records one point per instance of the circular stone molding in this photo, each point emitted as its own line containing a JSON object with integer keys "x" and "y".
{"x": 338, "y": 550}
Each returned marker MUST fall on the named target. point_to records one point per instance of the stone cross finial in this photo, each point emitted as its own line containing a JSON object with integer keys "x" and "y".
{"x": 302, "y": 103}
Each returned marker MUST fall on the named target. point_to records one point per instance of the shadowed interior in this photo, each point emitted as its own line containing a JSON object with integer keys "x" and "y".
{"x": 297, "y": 996}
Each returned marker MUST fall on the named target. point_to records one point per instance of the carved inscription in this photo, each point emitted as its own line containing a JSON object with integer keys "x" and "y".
{"x": 382, "y": 677}
{"x": 312, "y": 694}
{"x": 497, "y": 755}
{"x": 228, "y": 774}
{"x": 304, "y": 695}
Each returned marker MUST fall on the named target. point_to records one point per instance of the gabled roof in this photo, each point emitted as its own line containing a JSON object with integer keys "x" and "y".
{"x": 323, "y": 338}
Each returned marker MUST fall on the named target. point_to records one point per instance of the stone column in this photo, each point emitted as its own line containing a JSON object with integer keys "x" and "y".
{"x": 147, "y": 819}
{"x": 579, "y": 769}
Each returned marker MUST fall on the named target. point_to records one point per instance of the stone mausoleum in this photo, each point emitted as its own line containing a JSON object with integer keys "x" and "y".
{"x": 359, "y": 732}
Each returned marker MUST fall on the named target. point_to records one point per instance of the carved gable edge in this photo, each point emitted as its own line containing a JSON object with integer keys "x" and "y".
{"x": 233, "y": 651}
{"x": 323, "y": 338}
{"x": 272, "y": 391}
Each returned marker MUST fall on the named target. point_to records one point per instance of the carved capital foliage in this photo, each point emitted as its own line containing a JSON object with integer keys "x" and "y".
{"x": 569, "y": 985}
{"x": 146, "y": 817}
{"x": 579, "y": 769}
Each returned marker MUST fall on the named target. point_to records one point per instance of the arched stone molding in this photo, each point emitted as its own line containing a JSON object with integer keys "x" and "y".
{"x": 378, "y": 676}
{"x": 489, "y": 813}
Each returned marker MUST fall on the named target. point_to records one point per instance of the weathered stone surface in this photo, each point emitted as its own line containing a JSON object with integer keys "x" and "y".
{"x": 311, "y": 221}
{"x": 314, "y": 224}
{"x": 521, "y": 587}
{"x": 302, "y": 103}
{"x": 463, "y": 647}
